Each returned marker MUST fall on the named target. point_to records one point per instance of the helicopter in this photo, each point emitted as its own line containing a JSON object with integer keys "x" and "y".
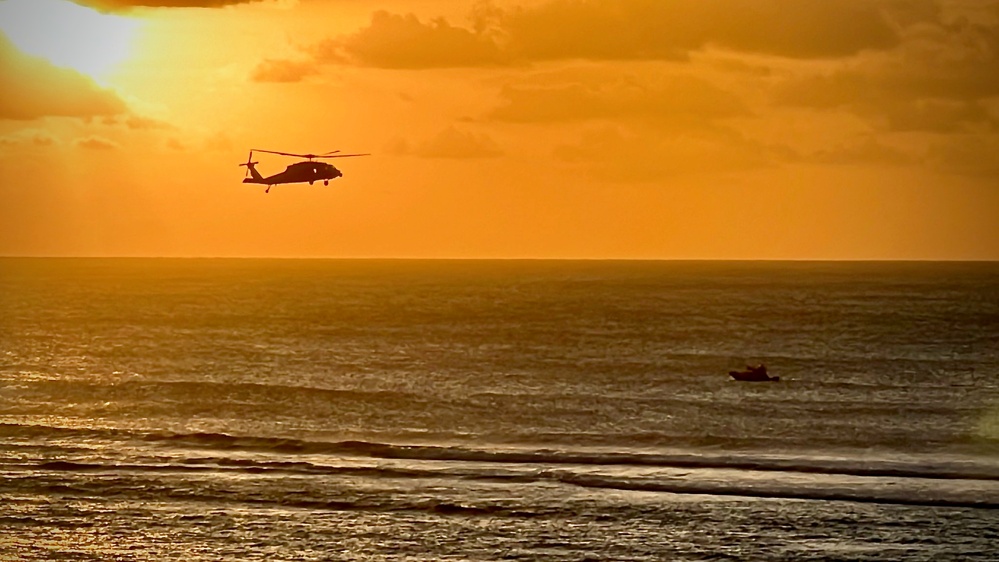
{"x": 300, "y": 172}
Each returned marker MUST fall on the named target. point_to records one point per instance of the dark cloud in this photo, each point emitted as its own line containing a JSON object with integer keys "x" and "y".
{"x": 885, "y": 106}
{"x": 937, "y": 80}
{"x": 959, "y": 61}
{"x": 124, "y": 5}
{"x": 630, "y": 30}
{"x": 935, "y": 61}
{"x": 654, "y": 29}
{"x": 34, "y": 88}
{"x": 570, "y": 29}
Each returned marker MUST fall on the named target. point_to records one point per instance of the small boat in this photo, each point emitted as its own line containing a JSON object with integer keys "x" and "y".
{"x": 753, "y": 374}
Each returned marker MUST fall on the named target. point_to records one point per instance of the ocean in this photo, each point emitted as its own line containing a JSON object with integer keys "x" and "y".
{"x": 251, "y": 409}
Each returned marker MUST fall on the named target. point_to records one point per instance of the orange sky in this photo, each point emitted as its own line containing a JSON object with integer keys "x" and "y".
{"x": 725, "y": 129}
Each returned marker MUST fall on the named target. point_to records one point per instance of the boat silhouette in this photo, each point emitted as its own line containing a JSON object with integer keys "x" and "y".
{"x": 753, "y": 374}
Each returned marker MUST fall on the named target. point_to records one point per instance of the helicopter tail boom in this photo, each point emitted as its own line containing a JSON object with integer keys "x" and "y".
{"x": 255, "y": 176}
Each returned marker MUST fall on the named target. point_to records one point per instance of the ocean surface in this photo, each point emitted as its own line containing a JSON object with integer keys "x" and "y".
{"x": 199, "y": 409}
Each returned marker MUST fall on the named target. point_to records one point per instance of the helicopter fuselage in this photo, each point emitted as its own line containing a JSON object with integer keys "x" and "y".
{"x": 299, "y": 172}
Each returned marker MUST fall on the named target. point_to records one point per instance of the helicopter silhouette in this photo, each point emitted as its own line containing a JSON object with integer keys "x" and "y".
{"x": 300, "y": 172}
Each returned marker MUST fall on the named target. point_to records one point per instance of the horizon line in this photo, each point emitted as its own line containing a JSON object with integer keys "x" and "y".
{"x": 525, "y": 258}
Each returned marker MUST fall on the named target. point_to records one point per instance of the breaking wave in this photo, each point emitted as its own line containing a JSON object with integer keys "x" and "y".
{"x": 534, "y": 458}
{"x": 121, "y": 486}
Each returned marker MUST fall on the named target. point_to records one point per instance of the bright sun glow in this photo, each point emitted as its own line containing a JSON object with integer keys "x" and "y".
{"x": 67, "y": 34}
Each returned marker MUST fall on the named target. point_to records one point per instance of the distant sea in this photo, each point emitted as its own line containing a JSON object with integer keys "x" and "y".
{"x": 224, "y": 410}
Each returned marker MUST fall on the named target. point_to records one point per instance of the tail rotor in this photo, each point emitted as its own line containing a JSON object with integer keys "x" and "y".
{"x": 249, "y": 164}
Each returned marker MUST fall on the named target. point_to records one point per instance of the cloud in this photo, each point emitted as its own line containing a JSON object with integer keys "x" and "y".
{"x": 675, "y": 100}
{"x": 96, "y": 143}
{"x": 652, "y": 29}
{"x": 124, "y": 5}
{"x": 137, "y": 122}
{"x": 973, "y": 154}
{"x": 667, "y": 83}
{"x": 140, "y": 123}
{"x": 396, "y": 41}
{"x": 931, "y": 115}
{"x": 28, "y": 137}
{"x": 34, "y": 88}
{"x": 451, "y": 143}
{"x": 866, "y": 150}
{"x": 939, "y": 79}
{"x": 629, "y": 30}
{"x": 618, "y": 154}
{"x": 283, "y": 71}
{"x": 898, "y": 110}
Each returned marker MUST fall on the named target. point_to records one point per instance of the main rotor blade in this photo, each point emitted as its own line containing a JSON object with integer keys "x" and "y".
{"x": 309, "y": 156}
{"x": 330, "y": 154}
{"x": 285, "y": 153}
